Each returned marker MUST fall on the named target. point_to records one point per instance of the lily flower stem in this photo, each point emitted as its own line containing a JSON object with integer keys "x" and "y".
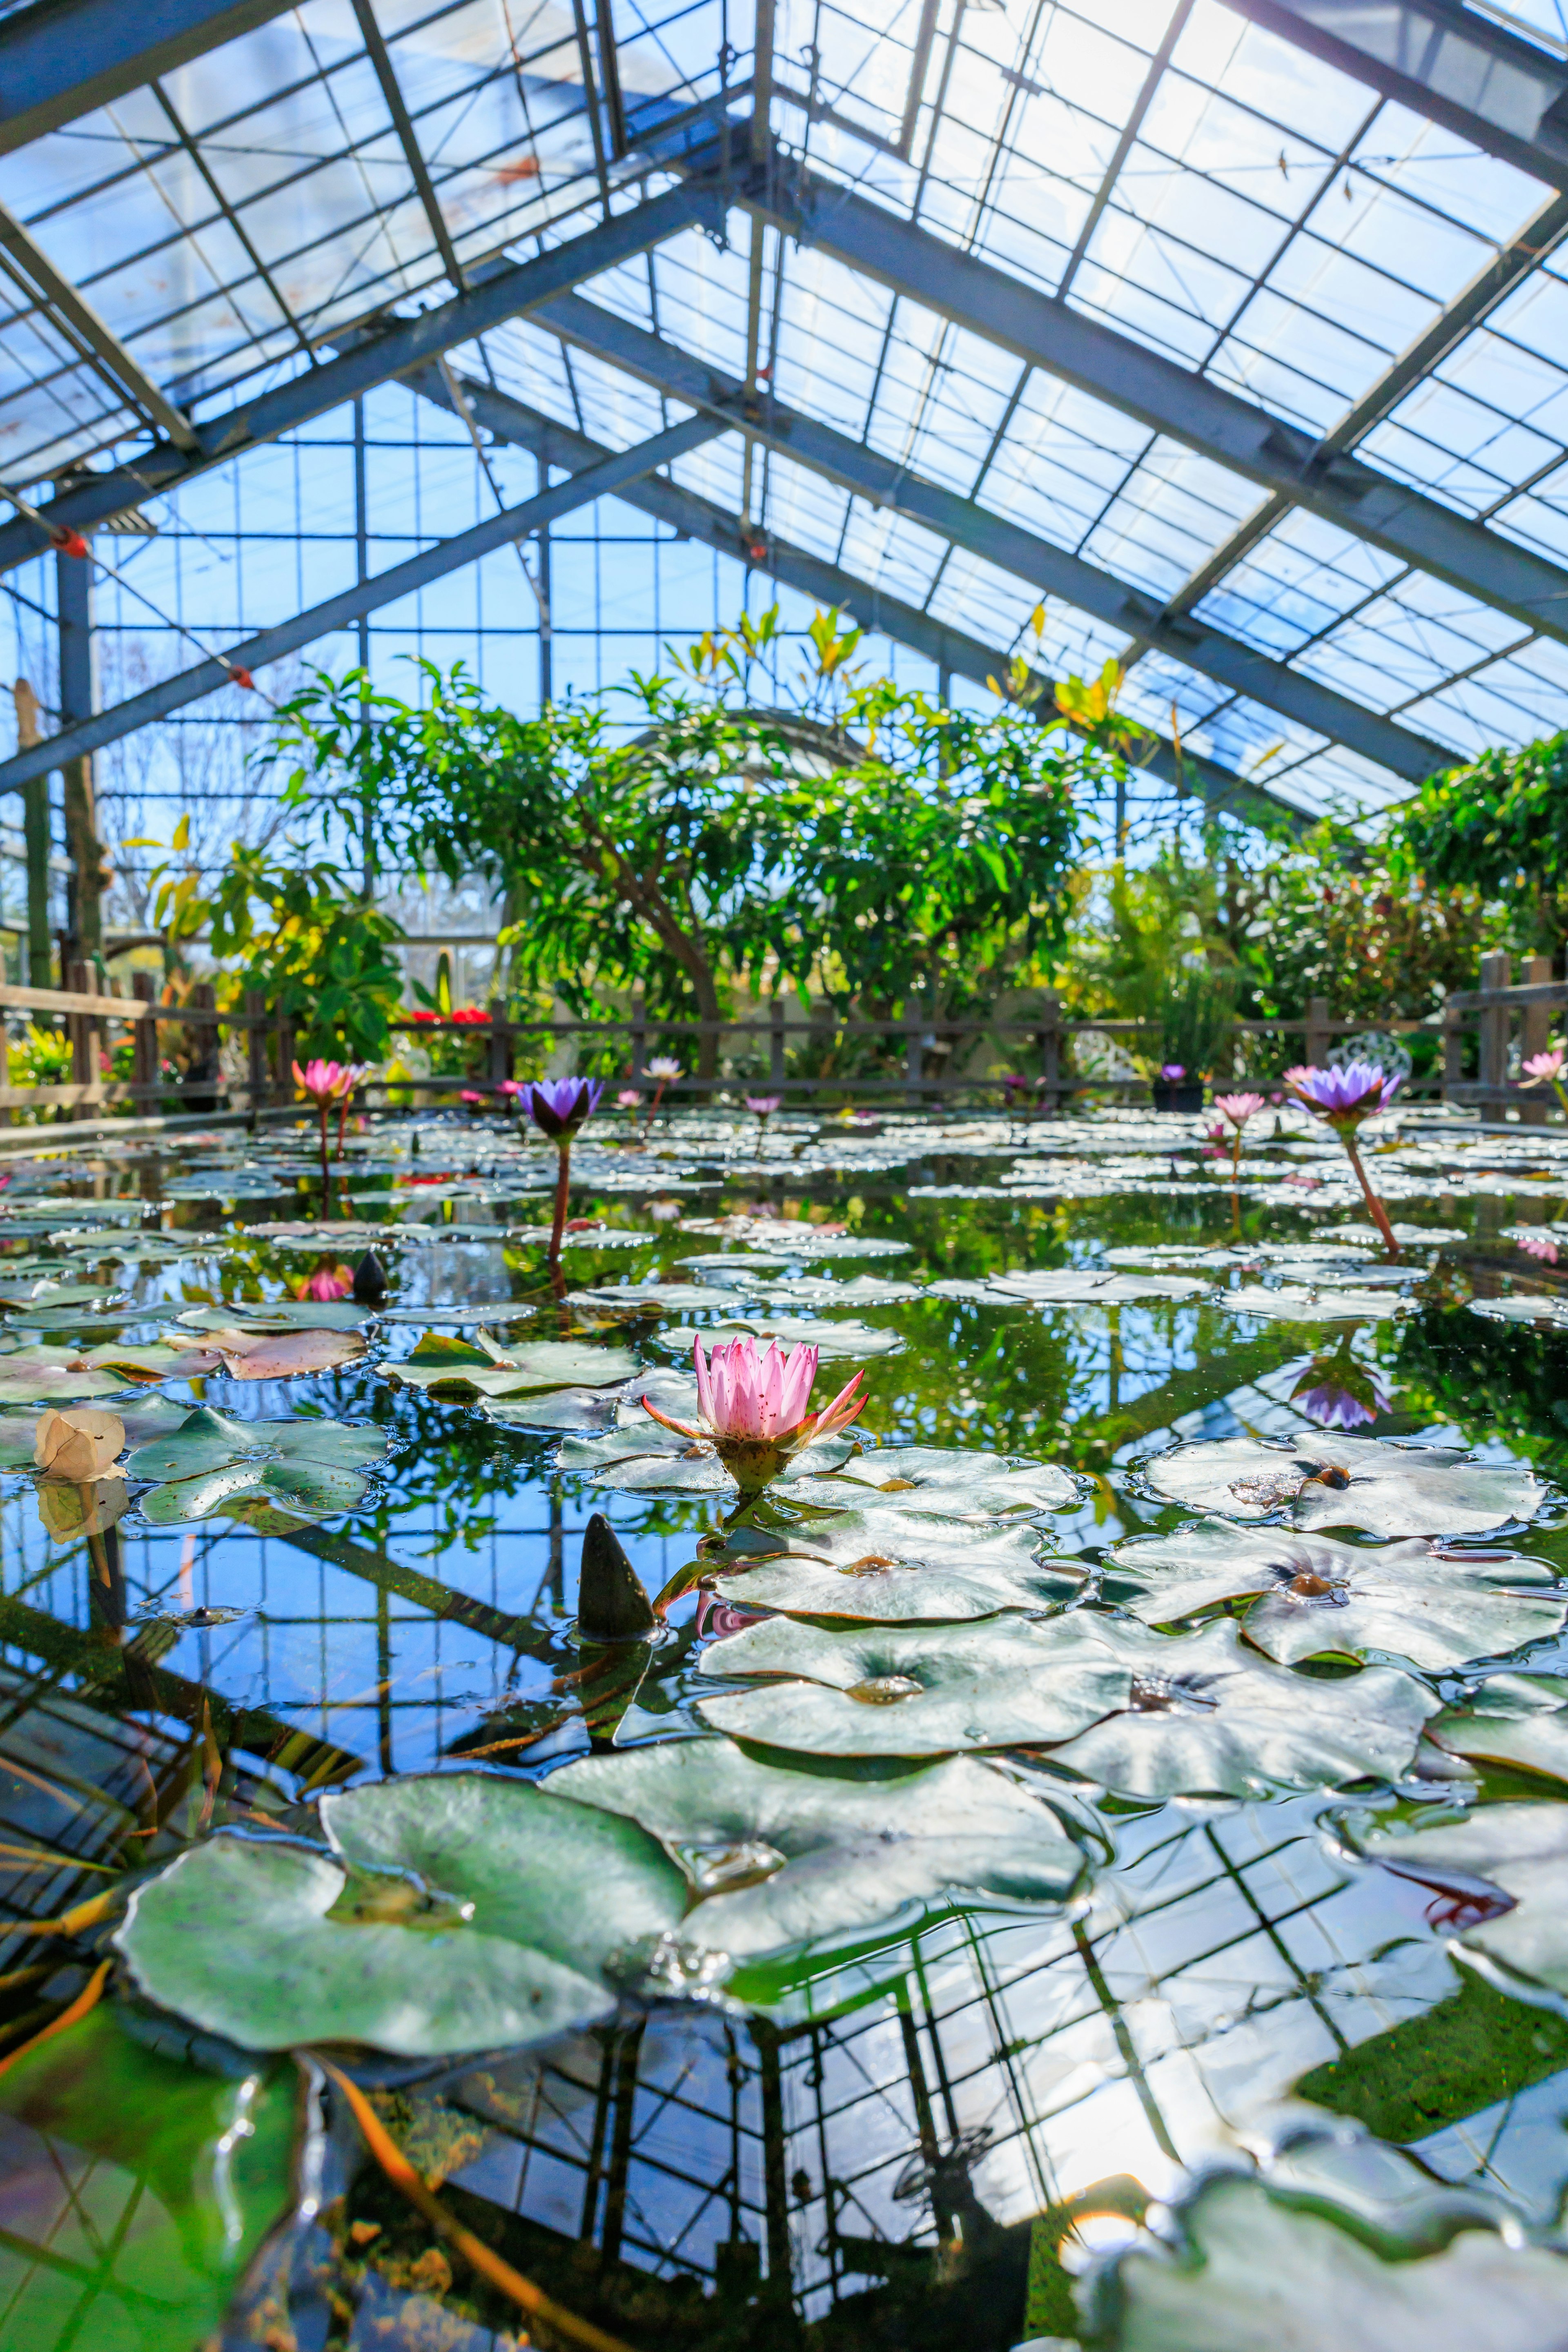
{"x": 326, "y": 1172}
{"x": 343, "y": 1120}
{"x": 563, "y": 1189}
{"x": 1561, "y": 1091}
{"x": 1376, "y": 1209}
{"x": 657, "y": 1098}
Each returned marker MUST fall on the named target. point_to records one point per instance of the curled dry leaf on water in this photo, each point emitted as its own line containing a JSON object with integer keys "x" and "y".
{"x": 456, "y": 1911}
{"x": 1346, "y": 2247}
{"x": 775, "y": 1857}
{"x": 80, "y": 1441}
{"x": 1327, "y": 1481}
{"x": 1317, "y": 1597}
{"x": 1505, "y": 1873}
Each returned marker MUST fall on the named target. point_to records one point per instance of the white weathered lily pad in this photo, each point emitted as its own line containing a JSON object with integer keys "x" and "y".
{"x": 945, "y": 1591}
{"x": 1207, "y": 1716}
{"x": 1517, "y": 1719}
{"x": 1003, "y": 1683}
{"x": 656, "y": 1297}
{"x": 1295, "y": 1303}
{"x": 946, "y": 1478}
{"x": 1349, "y": 1482}
{"x": 556, "y": 1409}
{"x": 1521, "y": 1850}
{"x": 1255, "y": 2271}
{"x": 1093, "y": 1286}
{"x": 778, "y": 1856}
{"x": 862, "y": 1290}
{"x": 829, "y": 1339}
{"x": 1320, "y": 1597}
{"x": 460, "y": 1911}
{"x": 279, "y": 1314}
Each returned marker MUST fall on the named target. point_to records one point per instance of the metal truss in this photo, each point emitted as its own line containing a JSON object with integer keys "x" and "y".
{"x": 1167, "y": 398}
{"x": 1450, "y": 63}
{"x": 884, "y": 482}
{"x": 378, "y": 355}
{"x": 608, "y": 475}
{"x": 1222, "y": 791}
{"x": 61, "y": 59}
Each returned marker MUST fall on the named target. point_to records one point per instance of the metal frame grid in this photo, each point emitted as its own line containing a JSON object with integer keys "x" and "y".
{"x": 1242, "y": 345}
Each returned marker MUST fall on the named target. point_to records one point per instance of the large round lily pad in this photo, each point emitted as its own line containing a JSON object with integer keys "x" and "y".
{"x": 830, "y": 1338}
{"x": 1318, "y": 1597}
{"x": 458, "y": 1912}
{"x": 1293, "y": 2273}
{"x": 438, "y": 1362}
{"x": 782, "y": 1856}
{"x": 1347, "y": 1482}
{"x": 1519, "y": 1850}
{"x": 946, "y": 1478}
{"x": 942, "y": 1591}
{"x": 1004, "y": 1683}
{"x": 1207, "y": 1716}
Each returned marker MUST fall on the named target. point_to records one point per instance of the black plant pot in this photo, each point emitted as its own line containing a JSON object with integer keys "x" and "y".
{"x": 1188, "y": 1095}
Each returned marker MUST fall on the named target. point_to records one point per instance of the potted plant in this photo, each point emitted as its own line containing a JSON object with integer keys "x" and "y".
{"x": 1197, "y": 1006}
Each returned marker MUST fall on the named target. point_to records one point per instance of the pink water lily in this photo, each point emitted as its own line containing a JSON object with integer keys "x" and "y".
{"x": 754, "y": 1408}
{"x": 1237, "y": 1109}
{"x": 1342, "y": 1099}
{"x": 326, "y": 1082}
{"x": 1548, "y": 1070}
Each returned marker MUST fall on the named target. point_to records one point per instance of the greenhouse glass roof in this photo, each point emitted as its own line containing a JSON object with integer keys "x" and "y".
{"x": 1233, "y": 331}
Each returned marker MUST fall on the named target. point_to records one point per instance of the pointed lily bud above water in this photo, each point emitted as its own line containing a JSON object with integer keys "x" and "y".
{"x": 753, "y": 1405}
{"x": 82, "y": 1443}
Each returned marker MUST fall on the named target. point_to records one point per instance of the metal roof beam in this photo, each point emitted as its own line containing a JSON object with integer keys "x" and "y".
{"x": 610, "y": 472}
{"x": 887, "y": 482}
{"x": 82, "y": 326}
{"x": 1504, "y": 94}
{"x": 1485, "y": 291}
{"x": 61, "y": 59}
{"x": 371, "y": 360}
{"x": 1162, "y": 395}
{"x": 506, "y": 419}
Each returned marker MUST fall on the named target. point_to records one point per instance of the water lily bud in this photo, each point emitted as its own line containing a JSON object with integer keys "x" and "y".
{"x": 81, "y": 1443}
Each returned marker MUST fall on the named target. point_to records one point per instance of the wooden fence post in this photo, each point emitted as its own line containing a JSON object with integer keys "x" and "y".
{"x": 256, "y": 1049}
{"x": 640, "y": 1038}
{"x": 1050, "y": 1045}
{"x": 500, "y": 1045}
{"x": 145, "y": 1040}
{"x": 776, "y": 1046}
{"x": 914, "y": 1057}
{"x": 1534, "y": 1036}
{"x": 1497, "y": 971}
{"x": 1317, "y": 1038}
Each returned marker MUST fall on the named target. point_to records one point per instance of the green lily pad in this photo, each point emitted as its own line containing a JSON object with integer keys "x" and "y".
{"x": 324, "y": 1444}
{"x": 1324, "y": 1481}
{"x": 778, "y": 1857}
{"x": 279, "y": 1314}
{"x": 573, "y": 1409}
{"x": 943, "y": 1478}
{"x": 1306, "y": 2272}
{"x": 1320, "y": 1597}
{"x": 905, "y": 1592}
{"x": 187, "y": 1499}
{"x": 204, "y": 1441}
{"x": 1519, "y": 1850}
{"x": 657, "y": 1298}
{"x": 861, "y": 1290}
{"x": 45, "y": 1379}
{"x": 851, "y": 1340}
{"x": 42, "y": 1294}
{"x": 440, "y": 1362}
{"x": 1004, "y": 1683}
{"x": 315, "y": 1488}
{"x": 458, "y": 1911}
{"x": 1518, "y": 1720}
{"x": 1207, "y": 1716}
{"x": 195, "y": 2165}
{"x": 155, "y": 1361}
{"x": 865, "y": 1542}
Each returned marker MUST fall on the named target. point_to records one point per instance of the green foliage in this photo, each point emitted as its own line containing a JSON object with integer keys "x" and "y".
{"x": 317, "y": 953}
{"x": 1197, "y": 1005}
{"x": 1500, "y": 826}
{"x": 876, "y": 845}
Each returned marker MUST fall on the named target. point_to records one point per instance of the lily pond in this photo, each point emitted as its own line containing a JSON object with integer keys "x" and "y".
{"x": 1084, "y": 1859}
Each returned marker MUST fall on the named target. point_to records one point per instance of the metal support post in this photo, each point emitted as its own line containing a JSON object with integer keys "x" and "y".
{"x": 36, "y": 844}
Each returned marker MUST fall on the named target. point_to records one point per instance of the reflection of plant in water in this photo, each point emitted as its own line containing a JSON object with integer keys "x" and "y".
{"x": 1338, "y": 1391}
{"x": 1489, "y": 1379}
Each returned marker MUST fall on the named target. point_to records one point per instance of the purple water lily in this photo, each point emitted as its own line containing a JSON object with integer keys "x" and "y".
{"x": 1342, "y": 1099}
{"x": 559, "y": 1105}
{"x": 1356, "y": 1092}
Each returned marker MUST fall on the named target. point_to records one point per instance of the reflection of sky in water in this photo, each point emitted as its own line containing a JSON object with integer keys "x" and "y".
{"x": 962, "y": 2070}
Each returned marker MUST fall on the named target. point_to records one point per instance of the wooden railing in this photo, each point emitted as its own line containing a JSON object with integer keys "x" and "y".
{"x": 1495, "y": 1008}
{"x": 87, "y": 1014}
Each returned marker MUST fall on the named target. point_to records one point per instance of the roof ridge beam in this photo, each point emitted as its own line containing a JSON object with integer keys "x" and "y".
{"x": 1504, "y": 94}
{"x": 509, "y": 419}
{"x": 369, "y": 361}
{"x": 63, "y": 59}
{"x": 1165, "y": 397}
{"x": 884, "y": 482}
{"x": 610, "y": 472}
